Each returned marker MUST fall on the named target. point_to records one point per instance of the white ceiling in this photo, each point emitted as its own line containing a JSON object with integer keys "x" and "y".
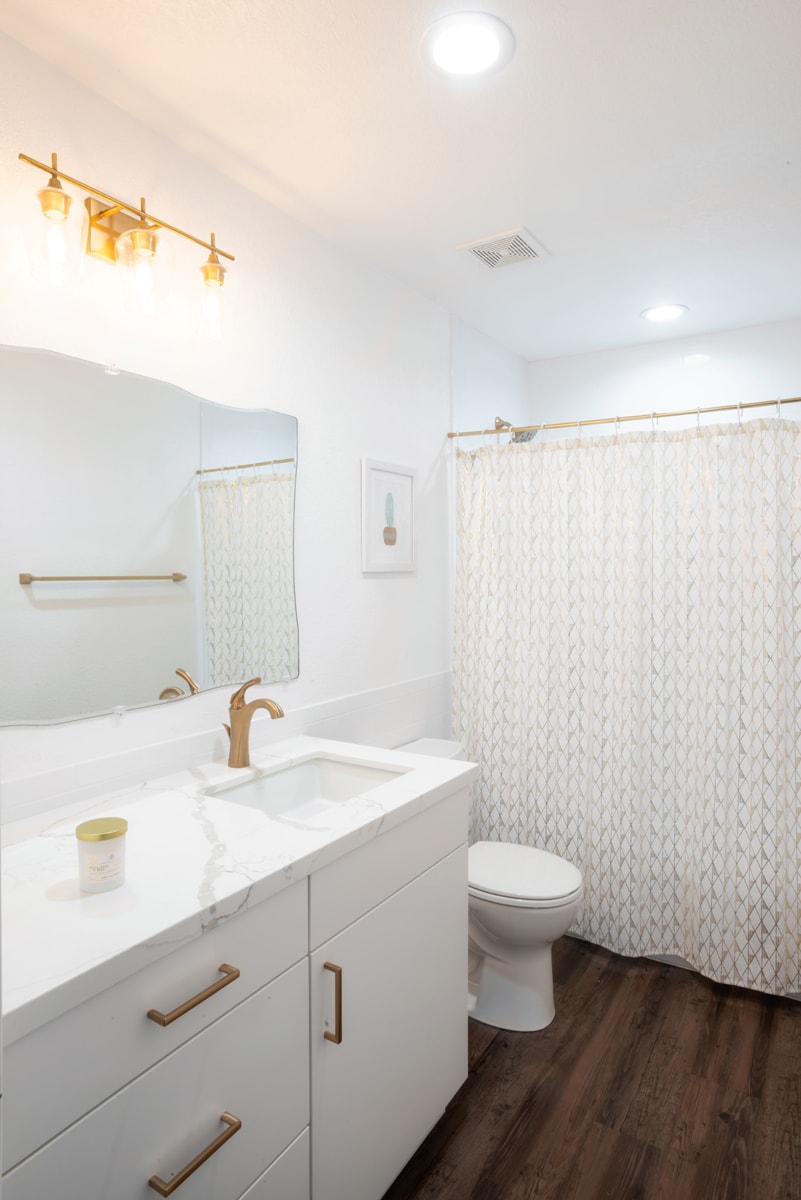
{"x": 651, "y": 146}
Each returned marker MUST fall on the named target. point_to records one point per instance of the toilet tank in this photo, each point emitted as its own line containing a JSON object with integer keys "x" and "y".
{"x": 435, "y": 748}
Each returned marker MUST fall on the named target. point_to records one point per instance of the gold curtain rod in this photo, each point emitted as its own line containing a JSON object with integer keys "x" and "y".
{"x": 269, "y": 462}
{"x": 123, "y": 204}
{"x": 176, "y": 577}
{"x": 654, "y": 416}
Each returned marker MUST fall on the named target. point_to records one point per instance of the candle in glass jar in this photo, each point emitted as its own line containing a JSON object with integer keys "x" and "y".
{"x": 101, "y": 853}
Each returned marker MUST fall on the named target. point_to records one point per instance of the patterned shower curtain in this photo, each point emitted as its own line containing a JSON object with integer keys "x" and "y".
{"x": 249, "y": 589}
{"x": 628, "y": 676}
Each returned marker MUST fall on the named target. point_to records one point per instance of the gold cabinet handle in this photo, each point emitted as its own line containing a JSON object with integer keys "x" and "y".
{"x": 167, "y": 1189}
{"x": 229, "y": 975}
{"x": 336, "y": 1036}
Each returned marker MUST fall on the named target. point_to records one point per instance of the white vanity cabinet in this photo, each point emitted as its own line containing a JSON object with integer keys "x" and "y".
{"x": 307, "y": 1043}
{"x": 388, "y": 1000}
{"x": 151, "y": 1098}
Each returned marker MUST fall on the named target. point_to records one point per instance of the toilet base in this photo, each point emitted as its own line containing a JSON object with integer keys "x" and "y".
{"x": 515, "y": 995}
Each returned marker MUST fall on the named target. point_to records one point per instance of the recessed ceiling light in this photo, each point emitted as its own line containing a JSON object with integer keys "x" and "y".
{"x": 467, "y": 45}
{"x": 664, "y": 312}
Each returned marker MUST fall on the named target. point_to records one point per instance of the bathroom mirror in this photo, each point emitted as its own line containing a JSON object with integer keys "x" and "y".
{"x": 157, "y": 532}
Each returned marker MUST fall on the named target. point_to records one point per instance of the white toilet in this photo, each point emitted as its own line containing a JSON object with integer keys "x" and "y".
{"x": 520, "y": 900}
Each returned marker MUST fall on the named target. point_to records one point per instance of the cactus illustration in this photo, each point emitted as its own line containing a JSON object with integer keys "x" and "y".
{"x": 390, "y": 532}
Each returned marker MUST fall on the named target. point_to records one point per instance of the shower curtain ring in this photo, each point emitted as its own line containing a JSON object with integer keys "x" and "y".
{"x": 779, "y": 407}
{"x": 617, "y": 427}
{"x": 739, "y": 414}
{"x": 698, "y": 418}
{"x": 653, "y": 422}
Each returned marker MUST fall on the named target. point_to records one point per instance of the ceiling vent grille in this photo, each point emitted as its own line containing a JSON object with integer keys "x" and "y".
{"x": 505, "y": 249}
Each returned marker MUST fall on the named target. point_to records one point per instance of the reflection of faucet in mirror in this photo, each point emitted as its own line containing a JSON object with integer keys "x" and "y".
{"x": 241, "y": 715}
{"x": 173, "y": 692}
{"x": 194, "y": 689}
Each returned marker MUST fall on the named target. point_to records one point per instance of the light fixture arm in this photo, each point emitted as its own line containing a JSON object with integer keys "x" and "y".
{"x": 122, "y": 205}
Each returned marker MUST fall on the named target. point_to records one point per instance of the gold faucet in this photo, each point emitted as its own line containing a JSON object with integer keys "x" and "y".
{"x": 241, "y": 715}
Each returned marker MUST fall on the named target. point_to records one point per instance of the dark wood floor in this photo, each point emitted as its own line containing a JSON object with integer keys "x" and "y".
{"x": 650, "y": 1084}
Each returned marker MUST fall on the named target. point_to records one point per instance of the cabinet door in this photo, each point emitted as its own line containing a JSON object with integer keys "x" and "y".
{"x": 403, "y": 1025}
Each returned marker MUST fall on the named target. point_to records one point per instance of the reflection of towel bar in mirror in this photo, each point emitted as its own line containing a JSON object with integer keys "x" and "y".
{"x": 176, "y": 577}
{"x": 270, "y": 462}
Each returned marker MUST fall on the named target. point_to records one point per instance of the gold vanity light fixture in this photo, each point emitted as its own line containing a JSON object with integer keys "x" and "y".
{"x": 55, "y": 205}
{"x": 54, "y": 201}
{"x": 213, "y": 273}
{"x": 118, "y": 231}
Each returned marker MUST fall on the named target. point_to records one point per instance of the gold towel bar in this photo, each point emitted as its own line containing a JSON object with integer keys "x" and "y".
{"x": 176, "y": 577}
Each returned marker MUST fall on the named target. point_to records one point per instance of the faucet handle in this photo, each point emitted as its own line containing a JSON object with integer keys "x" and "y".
{"x": 238, "y": 698}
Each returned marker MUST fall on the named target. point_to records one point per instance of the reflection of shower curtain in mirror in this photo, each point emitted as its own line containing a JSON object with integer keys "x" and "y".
{"x": 249, "y": 595}
{"x": 628, "y": 676}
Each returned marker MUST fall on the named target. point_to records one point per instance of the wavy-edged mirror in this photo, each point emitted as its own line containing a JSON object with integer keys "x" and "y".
{"x": 157, "y": 529}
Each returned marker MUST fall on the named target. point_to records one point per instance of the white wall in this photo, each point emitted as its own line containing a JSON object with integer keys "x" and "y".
{"x": 362, "y": 361}
{"x": 487, "y": 381}
{"x": 760, "y": 362}
{"x": 105, "y": 467}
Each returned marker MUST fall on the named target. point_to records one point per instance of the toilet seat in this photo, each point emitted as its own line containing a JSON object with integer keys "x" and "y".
{"x": 518, "y": 902}
{"x": 521, "y": 876}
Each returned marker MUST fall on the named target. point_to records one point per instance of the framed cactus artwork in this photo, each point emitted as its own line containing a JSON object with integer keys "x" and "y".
{"x": 388, "y": 541}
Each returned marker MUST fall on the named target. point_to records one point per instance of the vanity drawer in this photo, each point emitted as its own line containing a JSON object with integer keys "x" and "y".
{"x": 289, "y": 1178}
{"x": 59, "y": 1072}
{"x": 252, "y": 1064}
{"x": 349, "y": 887}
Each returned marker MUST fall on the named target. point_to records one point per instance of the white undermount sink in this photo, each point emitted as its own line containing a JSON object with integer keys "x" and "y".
{"x": 306, "y": 787}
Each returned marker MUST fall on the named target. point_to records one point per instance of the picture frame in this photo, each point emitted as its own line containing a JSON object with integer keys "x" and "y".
{"x": 388, "y": 532}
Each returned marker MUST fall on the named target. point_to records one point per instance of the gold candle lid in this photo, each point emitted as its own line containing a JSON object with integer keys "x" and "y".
{"x": 101, "y": 829}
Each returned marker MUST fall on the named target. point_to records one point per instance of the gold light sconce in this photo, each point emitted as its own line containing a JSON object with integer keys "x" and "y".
{"x": 119, "y": 232}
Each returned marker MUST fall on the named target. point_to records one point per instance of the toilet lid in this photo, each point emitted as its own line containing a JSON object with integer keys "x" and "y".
{"x": 506, "y": 869}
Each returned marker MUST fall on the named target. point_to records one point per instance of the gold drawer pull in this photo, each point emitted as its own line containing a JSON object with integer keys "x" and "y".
{"x": 336, "y": 1036}
{"x": 167, "y": 1189}
{"x": 229, "y": 975}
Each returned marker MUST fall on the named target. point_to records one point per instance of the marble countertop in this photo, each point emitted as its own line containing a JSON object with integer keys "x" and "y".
{"x": 193, "y": 859}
